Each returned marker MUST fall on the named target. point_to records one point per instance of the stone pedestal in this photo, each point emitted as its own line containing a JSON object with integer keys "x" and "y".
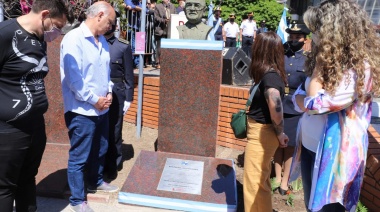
{"x": 52, "y": 175}
{"x": 218, "y": 185}
{"x": 190, "y": 81}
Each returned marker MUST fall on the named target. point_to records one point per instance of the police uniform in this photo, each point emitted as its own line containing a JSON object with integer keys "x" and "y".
{"x": 294, "y": 68}
{"x": 123, "y": 78}
{"x": 219, "y": 31}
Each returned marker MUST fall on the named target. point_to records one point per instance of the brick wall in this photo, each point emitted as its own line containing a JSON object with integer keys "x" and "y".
{"x": 234, "y": 98}
{"x": 370, "y": 193}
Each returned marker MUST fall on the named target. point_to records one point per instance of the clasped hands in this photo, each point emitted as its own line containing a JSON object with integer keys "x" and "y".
{"x": 282, "y": 140}
{"x": 104, "y": 102}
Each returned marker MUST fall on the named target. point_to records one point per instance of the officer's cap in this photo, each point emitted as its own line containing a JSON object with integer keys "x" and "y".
{"x": 297, "y": 28}
{"x": 218, "y": 8}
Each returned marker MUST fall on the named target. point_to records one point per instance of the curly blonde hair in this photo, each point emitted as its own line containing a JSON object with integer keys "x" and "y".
{"x": 347, "y": 39}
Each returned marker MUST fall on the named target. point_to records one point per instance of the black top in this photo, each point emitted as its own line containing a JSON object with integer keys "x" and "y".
{"x": 121, "y": 65}
{"x": 259, "y": 110}
{"x": 23, "y": 67}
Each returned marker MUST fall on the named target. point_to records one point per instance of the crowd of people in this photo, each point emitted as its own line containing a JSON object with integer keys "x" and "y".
{"x": 315, "y": 106}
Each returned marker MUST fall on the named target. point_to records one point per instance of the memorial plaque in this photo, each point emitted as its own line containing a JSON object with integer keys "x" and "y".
{"x": 184, "y": 176}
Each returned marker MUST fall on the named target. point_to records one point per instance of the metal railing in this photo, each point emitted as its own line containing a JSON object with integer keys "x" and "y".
{"x": 134, "y": 25}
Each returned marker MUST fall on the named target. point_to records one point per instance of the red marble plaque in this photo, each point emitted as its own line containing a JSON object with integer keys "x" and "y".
{"x": 218, "y": 185}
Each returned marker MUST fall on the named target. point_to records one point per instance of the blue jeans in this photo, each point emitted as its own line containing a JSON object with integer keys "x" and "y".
{"x": 307, "y": 167}
{"x": 89, "y": 142}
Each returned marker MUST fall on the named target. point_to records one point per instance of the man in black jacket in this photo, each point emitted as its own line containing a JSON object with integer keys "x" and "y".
{"x": 122, "y": 96}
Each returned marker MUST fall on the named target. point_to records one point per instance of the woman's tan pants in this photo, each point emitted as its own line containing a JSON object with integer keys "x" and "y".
{"x": 261, "y": 146}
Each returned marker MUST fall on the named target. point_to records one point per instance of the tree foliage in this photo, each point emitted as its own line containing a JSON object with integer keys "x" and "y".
{"x": 268, "y": 10}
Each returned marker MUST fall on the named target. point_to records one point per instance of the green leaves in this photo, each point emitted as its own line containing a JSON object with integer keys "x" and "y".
{"x": 268, "y": 10}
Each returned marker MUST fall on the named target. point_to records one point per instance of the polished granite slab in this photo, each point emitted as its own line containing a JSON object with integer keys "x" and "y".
{"x": 190, "y": 79}
{"x": 218, "y": 191}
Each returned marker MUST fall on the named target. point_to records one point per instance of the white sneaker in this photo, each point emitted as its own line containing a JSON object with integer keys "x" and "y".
{"x": 83, "y": 207}
{"x": 105, "y": 187}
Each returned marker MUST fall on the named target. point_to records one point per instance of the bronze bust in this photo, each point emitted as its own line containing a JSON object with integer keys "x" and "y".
{"x": 194, "y": 28}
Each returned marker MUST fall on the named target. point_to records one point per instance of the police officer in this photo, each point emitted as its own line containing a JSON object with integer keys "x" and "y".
{"x": 122, "y": 93}
{"x": 263, "y": 28}
{"x": 218, "y": 33}
{"x": 294, "y": 67}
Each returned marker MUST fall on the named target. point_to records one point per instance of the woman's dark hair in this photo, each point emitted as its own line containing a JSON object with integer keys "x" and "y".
{"x": 267, "y": 53}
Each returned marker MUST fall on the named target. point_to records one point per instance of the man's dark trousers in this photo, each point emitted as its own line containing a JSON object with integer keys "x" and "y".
{"x": 114, "y": 157}
{"x": 246, "y": 44}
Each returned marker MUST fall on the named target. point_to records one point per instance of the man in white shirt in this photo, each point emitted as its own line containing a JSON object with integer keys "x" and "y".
{"x": 248, "y": 30}
{"x": 231, "y": 32}
{"x": 87, "y": 96}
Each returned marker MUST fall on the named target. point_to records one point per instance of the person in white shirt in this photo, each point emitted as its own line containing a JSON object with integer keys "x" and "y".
{"x": 231, "y": 32}
{"x": 248, "y": 30}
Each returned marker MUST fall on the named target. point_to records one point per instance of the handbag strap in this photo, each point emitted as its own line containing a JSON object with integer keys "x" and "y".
{"x": 249, "y": 101}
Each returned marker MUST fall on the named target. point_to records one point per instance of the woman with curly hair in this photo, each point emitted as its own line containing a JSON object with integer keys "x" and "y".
{"x": 344, "y": 75}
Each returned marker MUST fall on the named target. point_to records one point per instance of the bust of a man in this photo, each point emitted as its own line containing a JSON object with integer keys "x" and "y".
{"x": 194, "y": 28}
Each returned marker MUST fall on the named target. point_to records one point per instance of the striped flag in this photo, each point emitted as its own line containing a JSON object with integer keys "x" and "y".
{"x": 282, "y": 26}
{"x": 210, "y": 17}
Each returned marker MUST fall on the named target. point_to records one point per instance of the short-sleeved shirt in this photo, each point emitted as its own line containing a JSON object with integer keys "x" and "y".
{"x": 259, "y": 110}
{"x": 231, "y": 29}
{"x": 249, "y": 27}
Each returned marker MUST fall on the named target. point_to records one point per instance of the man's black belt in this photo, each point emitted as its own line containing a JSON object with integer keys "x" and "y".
{"x": 231, "y": 38}
{"x": 118, "y": 79}
{"x": 247, "y": 36}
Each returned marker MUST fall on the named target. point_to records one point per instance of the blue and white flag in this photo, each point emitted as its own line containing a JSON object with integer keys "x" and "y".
{"x": 282, "y": 26}
{"x": 210, "y": 17}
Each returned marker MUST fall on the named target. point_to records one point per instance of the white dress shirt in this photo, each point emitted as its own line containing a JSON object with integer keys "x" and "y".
{"x": 85, "y": 71}
{"x": 231, "y": 29}
{"x": 248, "y": 27}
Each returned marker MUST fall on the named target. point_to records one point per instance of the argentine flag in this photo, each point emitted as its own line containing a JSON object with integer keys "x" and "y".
{"x": 282, "y": 26}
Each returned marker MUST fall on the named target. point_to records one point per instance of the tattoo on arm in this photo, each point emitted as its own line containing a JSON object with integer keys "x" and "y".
{"x": 278, "y": 128}
{"x": 276, "y": 99}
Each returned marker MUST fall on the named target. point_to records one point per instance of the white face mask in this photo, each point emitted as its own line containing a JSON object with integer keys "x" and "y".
{"x": 52, "y": 34}
{"x": 49, "y": 36}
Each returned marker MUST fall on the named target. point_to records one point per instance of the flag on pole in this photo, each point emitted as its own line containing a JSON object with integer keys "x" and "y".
{"x": 282, "y": 26}
{"x": 210, "y": 18}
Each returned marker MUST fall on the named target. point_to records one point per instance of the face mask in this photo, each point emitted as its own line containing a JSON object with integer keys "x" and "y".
{"x": 295, "y": 45}
{"x": 111, "y": 30}
{"x": 251, "y": 18}
{"x": 52, "y": 34}
{"x": 232, "y": 20}
{"x": 49, "y": 36}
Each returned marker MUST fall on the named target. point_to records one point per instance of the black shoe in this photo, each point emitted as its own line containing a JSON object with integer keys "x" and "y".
{"x": 282, "y": 191}
{"x": 120, "y": 166}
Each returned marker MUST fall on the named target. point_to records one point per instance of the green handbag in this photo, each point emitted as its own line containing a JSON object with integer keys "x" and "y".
{"x": 239, "y": 120}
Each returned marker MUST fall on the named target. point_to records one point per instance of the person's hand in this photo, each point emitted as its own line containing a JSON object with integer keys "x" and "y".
{"x": 126, "y": 107}
{"x": 283, "y": 140}
{"x": 103, "y": 103}
{"x": 307, "y": 46}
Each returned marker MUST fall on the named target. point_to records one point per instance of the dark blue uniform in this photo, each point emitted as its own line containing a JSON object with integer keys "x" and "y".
{"x": 219, "y": 32}
{"x": 123, "y": 78}
{"x": 294, "y": 68}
